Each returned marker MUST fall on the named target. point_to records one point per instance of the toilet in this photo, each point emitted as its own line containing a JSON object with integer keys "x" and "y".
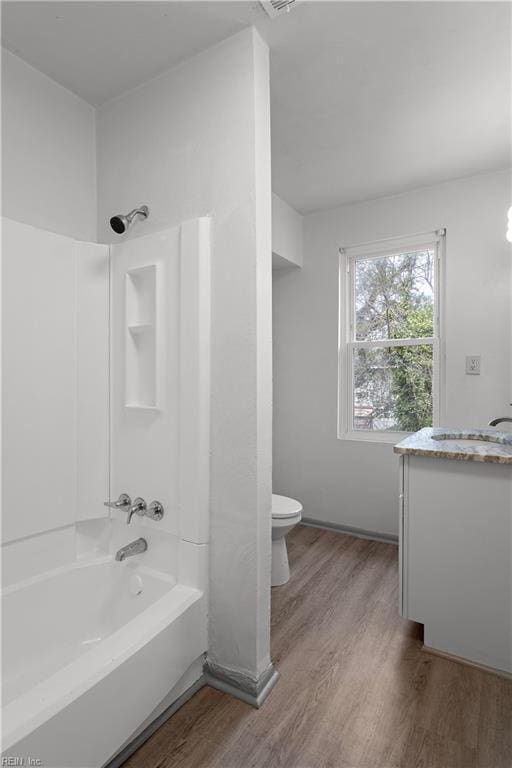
{"x": 285, "y": 514}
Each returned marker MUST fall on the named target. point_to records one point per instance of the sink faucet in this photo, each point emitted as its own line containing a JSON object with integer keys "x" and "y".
{"x": 134, "y": 548}
{"x": 495, "y": 422}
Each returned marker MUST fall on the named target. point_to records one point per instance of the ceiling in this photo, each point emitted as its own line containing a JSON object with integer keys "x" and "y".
{"x": 368, "y": 98}
{"x": 372, "y": 99}
{"x": 101, "y": 49}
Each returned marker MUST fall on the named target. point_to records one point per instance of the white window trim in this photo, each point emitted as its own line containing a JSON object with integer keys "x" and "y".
{"x": 347, "y": 257}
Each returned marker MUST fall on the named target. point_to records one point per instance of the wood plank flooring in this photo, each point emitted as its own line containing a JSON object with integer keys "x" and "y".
{"x": 356, "y": 689}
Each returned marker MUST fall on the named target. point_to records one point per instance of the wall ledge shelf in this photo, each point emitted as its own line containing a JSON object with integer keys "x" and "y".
{"x": 140, "y": 327}
{"x": 141, "y": 407}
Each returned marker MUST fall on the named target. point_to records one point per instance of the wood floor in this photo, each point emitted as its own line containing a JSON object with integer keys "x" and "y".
{"x": 356, "y": 689}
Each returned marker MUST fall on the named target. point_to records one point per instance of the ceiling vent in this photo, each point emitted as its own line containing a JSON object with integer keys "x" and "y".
{"x": 277, "y": 7}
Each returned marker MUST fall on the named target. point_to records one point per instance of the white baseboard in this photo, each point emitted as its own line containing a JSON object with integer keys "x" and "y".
{"x": 241, "y": 685}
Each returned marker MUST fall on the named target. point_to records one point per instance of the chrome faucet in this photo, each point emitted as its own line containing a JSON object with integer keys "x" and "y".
{"x": 495, "y": 422}
{"x": 154, "y": 511}
{"x": 134, "y": 548}
{"x": 124, "y": 502}
{"x": 138, "y": 507}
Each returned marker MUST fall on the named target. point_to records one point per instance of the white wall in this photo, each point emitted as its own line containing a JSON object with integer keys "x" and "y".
{"x": 287, "y": 234}
{"x": 48, "y": 153}
{"x": 55, "y": 323}
{"x": 195, "y": 141}
{"x": 355, "y": 483}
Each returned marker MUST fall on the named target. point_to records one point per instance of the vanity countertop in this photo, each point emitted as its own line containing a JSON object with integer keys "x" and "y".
{"x": 488, "y": 445}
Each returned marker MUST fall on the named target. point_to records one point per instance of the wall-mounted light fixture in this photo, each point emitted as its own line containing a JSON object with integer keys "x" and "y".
{"x": 509, "y": 225}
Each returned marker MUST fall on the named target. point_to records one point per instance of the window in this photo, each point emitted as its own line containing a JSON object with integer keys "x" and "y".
{"x": 389, "y": 337}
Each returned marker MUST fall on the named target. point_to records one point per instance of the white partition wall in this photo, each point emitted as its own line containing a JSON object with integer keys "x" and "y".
{"x": 195, "y": 141}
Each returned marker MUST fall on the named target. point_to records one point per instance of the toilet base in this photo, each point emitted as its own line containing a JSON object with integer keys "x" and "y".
{"x": 280, "y": 566}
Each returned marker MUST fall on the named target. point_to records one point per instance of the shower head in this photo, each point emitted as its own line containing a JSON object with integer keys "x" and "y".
{"x": 121, "y": 223}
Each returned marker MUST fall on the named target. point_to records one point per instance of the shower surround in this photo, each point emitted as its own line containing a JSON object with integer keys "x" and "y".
{"x": 117, "y": 642}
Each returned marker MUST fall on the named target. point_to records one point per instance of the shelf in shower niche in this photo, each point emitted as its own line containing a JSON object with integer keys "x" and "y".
{"x": 140, "y": 327}
{"x": 141, "y": 294}
{"x": 141, "y": 348}
{"x": 140, "y": 407}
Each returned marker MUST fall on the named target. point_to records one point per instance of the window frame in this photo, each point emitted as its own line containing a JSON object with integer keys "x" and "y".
{"x": 347, "y": 342}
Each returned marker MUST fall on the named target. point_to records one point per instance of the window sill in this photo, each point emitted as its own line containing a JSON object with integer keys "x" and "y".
{"x": 389, "y": 438}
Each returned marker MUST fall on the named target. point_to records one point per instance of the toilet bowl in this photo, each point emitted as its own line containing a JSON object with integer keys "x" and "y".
{"x": 285, "y": 514}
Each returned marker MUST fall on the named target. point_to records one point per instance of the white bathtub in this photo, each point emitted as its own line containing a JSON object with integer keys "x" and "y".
{"x": 89, "y": 650}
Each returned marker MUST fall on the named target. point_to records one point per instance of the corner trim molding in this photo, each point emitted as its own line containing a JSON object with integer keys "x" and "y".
{"x": 118, "y": 760}
{"x": 360, "y": 533}
{"x": 241, "y": 685}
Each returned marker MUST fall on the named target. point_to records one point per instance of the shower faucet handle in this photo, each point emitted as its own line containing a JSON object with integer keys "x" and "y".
{"x": 123, "y": 502}
{"x": 155, "y": 511}
{"x": 138, "y": 507}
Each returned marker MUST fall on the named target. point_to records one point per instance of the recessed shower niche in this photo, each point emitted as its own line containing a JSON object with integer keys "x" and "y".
{"x": 141, "y": 337}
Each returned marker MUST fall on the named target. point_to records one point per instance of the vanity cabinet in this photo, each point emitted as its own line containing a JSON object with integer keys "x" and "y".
{"x": 456, "y": 556}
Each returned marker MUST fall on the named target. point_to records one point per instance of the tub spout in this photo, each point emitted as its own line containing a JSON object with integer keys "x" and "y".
{"x": 134, "y": 548}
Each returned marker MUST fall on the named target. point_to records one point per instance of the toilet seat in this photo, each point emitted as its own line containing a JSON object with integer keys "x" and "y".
{"x": 284, "y": 507}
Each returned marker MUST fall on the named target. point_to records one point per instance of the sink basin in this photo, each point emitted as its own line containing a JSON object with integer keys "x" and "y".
{"x": 468, "y": 442}
{"x": 472, "y": 437}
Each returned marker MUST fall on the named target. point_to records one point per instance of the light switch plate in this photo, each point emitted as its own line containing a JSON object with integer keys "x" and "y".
{"x": 473, "y": 365}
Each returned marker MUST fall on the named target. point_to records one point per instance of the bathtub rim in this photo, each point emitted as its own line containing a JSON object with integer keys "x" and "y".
{"x": 86, "y": 563}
